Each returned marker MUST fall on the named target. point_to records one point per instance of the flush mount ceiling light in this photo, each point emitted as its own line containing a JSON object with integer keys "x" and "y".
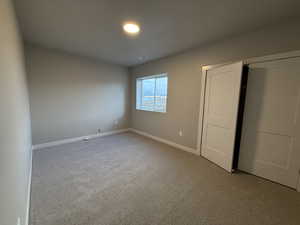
{"x": 131, "y": 28}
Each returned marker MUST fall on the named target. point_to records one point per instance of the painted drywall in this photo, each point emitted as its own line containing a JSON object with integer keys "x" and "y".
{"x": 167, "y": 26}
{"x": 72, "y": 96}
{"x": 15, "y": 139}
{"x": 184, "y": 71}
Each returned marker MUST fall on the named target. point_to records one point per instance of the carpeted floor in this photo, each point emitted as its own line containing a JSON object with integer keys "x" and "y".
{"x": 127, "y": 179}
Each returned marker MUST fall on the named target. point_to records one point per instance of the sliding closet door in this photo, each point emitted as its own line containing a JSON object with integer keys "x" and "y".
{"x": 222, "y": 92}
{"x": 270, "y": 142}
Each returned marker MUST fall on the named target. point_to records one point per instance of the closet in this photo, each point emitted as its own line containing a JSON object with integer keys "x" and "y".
{"x": 257, "y": 131}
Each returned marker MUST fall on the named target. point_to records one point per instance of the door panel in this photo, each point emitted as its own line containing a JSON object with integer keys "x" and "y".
{"x": 220, "y": 114}
{"x": 270, "y": 140}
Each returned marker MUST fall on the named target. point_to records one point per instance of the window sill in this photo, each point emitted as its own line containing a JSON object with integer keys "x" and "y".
{"x": 144, "y": 110}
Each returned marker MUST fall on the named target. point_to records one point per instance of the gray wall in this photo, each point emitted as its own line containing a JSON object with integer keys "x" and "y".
{"x": 73, "y": 96}
{"x": 185, "y": 79}
{"x": 15, "y": 140}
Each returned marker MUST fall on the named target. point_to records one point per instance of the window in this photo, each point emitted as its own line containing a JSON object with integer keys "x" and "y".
{"x": 151, "y": 93}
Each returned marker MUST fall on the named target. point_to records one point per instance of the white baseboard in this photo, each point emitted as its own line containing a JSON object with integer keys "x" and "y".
{"x": 173, "y": 144}
{"x": 71, "y": 140}
{"x": 29, "y": 191}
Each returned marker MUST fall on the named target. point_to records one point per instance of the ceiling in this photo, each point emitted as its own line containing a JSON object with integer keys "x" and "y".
{"x": 94, "y": 28}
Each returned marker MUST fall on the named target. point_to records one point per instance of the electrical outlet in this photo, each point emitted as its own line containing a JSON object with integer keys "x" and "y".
{"x": 180, "y": 133}
{"x": 19, "y": 221}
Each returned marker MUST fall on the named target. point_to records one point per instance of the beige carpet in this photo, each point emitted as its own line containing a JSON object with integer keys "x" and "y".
{"x": 127, "y": 179}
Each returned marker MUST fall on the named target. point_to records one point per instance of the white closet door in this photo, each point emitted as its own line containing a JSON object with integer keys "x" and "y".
{"x": 270, "y": 142}
{"x": 222, "y": 94}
